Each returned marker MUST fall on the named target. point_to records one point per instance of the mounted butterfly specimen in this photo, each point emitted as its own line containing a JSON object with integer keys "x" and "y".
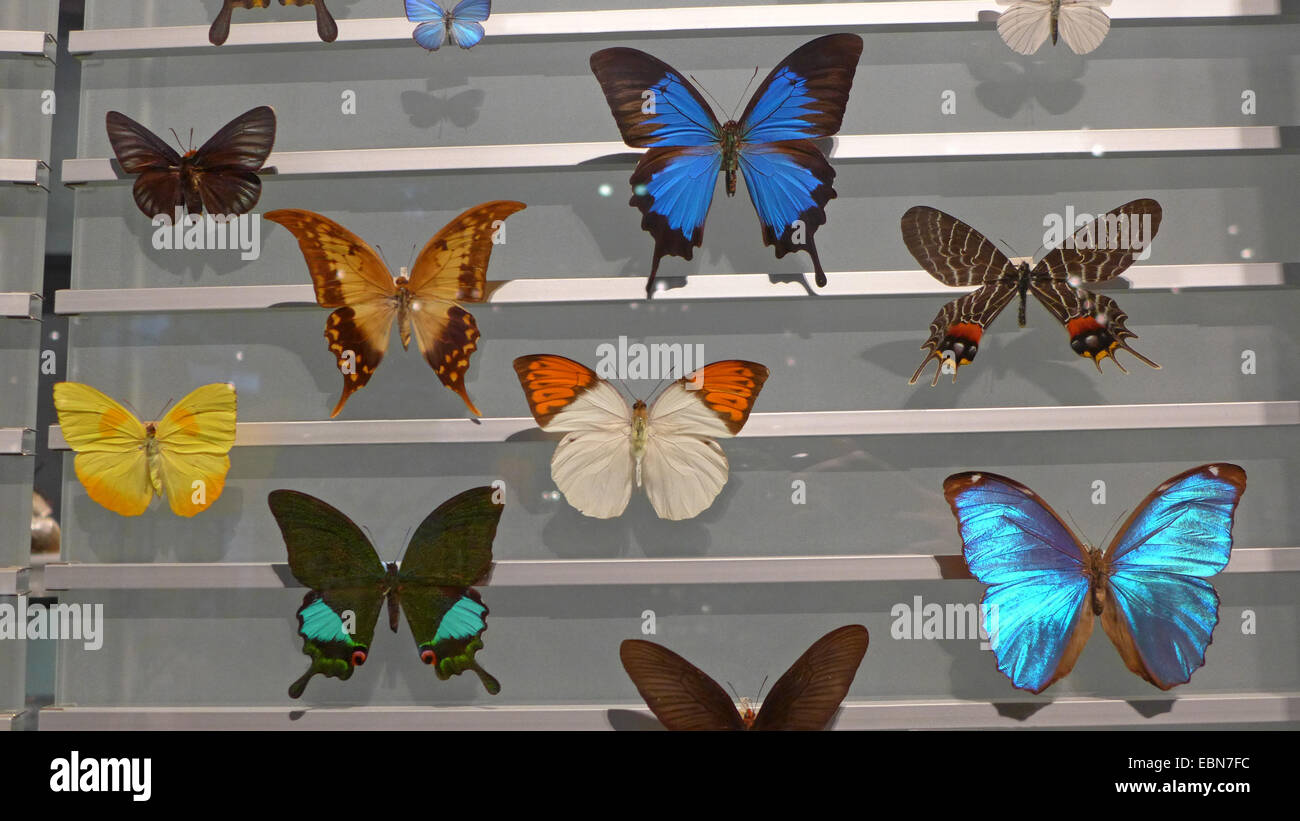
{"x": 788, "y": 177}
{"x": 461, "y": 25}
{"x": 123, "y": 462}
{"x": 958, "y": 255}
{"x": 667, "y": 447}
{"x": 1027, "y": 24}
{"x": 219, "y": 177}
{"x": 326, "y": 28}
{"x": 1045, "y": 587}
{"x": 806, "y": 697}
{"x": 425, "y": 302}
{"x": 450, "y": 552}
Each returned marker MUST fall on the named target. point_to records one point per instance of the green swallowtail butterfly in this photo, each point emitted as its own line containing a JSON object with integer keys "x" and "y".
{"x": 450, "y": 552}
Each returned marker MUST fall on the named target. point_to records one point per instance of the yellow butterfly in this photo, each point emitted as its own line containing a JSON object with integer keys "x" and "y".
{"x": 123, "y": 462}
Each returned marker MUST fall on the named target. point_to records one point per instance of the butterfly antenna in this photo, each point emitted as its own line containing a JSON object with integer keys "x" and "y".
{"x": 1011, "y": 252}
{"x": 179, "y": 144}
{"x": 700, "y": 85}
{"x": 1106, "y": 539}
{"x": 410, "y": 262}
{"x": 164, "y": 409}
{"x": 406, "y": 540}
{"x": 191, "y": 148}
{"x": 743, "y": 93}
{"x": 759, "y": 698}
{"x": 380, "y": 249}
{"x": 733, "y": 691}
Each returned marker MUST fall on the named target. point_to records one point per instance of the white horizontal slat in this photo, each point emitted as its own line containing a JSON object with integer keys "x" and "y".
{"x": 17, "y": 441}
{"x": 593, "y": 572}
{"x": 11, "y": 721}
{"x": 13, "y": 580}
{"x": 932, "y": 714}
{"x": 820, "y": 423}
{"x": 637, "y": 21}
{"x": 22, "y": 171}
{"x": 24, "y": 42}
{"x": 632, "y": 289}
{"x": 20, "y": 305}
{"x": 1096, "y": 142}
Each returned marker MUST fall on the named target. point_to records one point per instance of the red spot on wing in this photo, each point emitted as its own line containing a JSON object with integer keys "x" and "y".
{"x": 1084, "y": 325}
{"x": 967, "y": 332}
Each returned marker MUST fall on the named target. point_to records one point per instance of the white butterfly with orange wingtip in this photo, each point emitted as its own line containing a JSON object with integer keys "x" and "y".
{"x": 667, "y": 447}
{"x": 1028, "y": 23}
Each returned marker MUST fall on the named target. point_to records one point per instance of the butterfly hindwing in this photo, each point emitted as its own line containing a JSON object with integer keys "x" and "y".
{"x": 326, "y": 28}
{"x": 330, "y": 555}
{"x": 1161, "y": 611}
{"x": 1037, "y": 608}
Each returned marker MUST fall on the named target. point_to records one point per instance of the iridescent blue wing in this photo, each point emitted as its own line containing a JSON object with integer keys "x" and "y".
{"x": 1160, "y": 610}
{"x": 787, "y": 176}
{"x": 789, "y": 184}
{"x": 432, "y": 31}
{"x": 1037, "y": 609}
{"x": 465, "y": 19}
{"x": 656, "y": 108}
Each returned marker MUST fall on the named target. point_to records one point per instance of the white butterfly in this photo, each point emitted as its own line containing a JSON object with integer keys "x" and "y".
{"x": 666, "y": 447}
{"x": 1028, "y": 23}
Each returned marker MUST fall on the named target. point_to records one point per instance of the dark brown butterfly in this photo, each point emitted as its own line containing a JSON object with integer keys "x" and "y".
{"x": 683, "y": 697}
{"x": 325, "y": 25}
{"x": 218, "y": 177}
{"x": 958, "y": 255}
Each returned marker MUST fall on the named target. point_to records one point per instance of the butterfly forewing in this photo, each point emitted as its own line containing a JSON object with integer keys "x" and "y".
{"x": 951, "y": 251}
{"x": 805, "y": 95}
{"x": 808, "y": 695}
{"x": 680, "y": 695}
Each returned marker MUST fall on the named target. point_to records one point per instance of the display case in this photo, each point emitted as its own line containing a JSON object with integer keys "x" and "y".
{"x": 834, "y": 512}
{"x": 26, "y": 114}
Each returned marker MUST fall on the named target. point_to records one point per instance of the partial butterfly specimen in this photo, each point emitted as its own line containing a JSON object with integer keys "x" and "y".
{"x": 123, "y": 462}
{"x": 788, "y": 177}
{"x": 806, "y": 697}
{"x": 461, "y": 26}
{"x": 666, "y": 447}
{"x": 1045, "y": 587}
{"x": 1028, "y": 23}
{"x": 326, "y": 28}
{"x": 426, "y": 302}
{"x": 958, "y": 255}
{"x": 219, "y": 177}
{"x": 450, "y": 552}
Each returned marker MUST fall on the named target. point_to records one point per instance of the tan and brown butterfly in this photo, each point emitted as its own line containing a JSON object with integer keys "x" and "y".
{"x": 351, "y": 278}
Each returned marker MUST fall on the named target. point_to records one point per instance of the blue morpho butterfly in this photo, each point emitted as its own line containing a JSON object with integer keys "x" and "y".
{"x": 450, "y": 551}
{"x": 1149, "y": 587}
{"x": 788, "y": 177}
{"x": 461, "y": 25}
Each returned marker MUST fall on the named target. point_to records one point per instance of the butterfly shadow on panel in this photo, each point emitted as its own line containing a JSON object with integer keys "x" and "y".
{"x": 632, "y": 720}
{"x": 1005, "y": 86}
{"x": 158, "y": 534}
{"x": 426, "y": 109}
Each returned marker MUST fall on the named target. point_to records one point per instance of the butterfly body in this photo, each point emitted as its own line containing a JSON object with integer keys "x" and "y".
{"x": 667, "y": 447}
{"x": 958, "y": 255}
{"x": 450, "y": 552}
{"x": 788, "y": 178}
{"x": 1149, "y": 588}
